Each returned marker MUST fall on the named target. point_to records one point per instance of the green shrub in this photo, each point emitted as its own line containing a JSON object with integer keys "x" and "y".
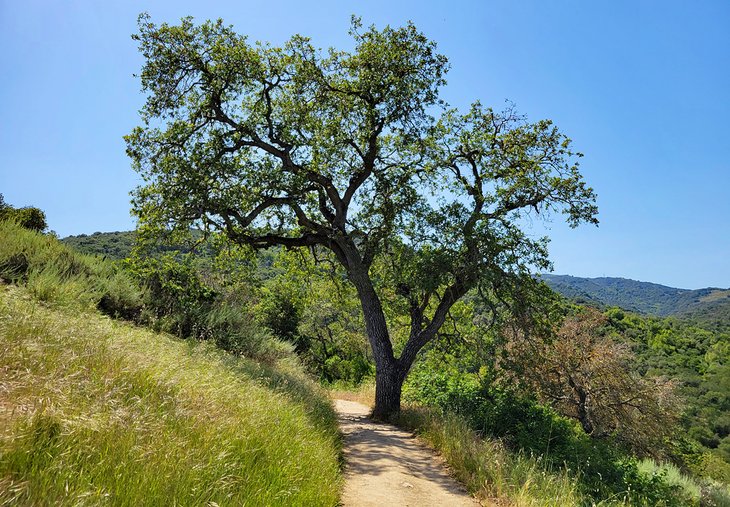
{"x": 28, "y": 217}
{"x": 281, "y": 312}
{"x": 556, "y": 442}
{"x": 180, "y": 300}
{"x": 177, "y": 299}
{"x": 235, "y": 330}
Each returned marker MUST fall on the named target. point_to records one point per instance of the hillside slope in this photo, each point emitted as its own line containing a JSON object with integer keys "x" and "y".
{"x": 94, "y": 411}
{"x": 114, "y": 245}
{"x": 709, "y": 306}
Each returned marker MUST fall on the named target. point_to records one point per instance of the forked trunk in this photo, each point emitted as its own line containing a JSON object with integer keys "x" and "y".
{"x": 389, "y": 371}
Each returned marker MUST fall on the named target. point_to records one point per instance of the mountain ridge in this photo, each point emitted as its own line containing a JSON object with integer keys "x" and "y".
{"x": 709, "y": 306}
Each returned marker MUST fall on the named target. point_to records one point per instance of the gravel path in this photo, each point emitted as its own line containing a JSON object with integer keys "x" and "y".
{"x": 386, "y": 466}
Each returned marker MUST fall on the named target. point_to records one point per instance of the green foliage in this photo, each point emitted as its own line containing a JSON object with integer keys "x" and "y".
{"x": 178, "y": 299}
{"x": 705, "y": 492}
{"x": 698, "y": 360}
{"x": 600, "y": 468}
{"x": 58, "y": 275}
{"x": 235, "y": 330}
{"x": 113, "y": 245}
{"x": 184, "y": 300}
{"x": 31, "y": 218}
{"x": 281, "y": 311}
{"x": 307, "y": 303}
{"x": 28, "y": 217}
{"x": 171, "y": 426}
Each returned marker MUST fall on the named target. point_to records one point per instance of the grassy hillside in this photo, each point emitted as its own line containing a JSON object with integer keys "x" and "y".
{"x": 96, "y": 411}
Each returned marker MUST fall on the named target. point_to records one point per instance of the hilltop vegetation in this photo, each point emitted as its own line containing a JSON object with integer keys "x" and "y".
{"x": 96, "y": 411}
{"x": 28, "y": 216}
{"x": 709, "y": 307}
{"x": 113, "y": 245}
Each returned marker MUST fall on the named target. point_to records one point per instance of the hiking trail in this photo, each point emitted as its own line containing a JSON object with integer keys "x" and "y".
{"x": 387, "y": 466}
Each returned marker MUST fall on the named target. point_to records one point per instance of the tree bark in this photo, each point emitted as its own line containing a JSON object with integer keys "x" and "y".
{"x": 390, "y": 372}
{"x": 389, "y": 375}
{"x": 388, "y": 387}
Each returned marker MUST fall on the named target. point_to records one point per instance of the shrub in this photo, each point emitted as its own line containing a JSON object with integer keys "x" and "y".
{"x": 527, "y": 427}
{"x": 27, "y": 217}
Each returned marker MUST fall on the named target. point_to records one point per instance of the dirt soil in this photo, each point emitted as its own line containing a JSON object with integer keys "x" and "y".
{"x": 386, "y": 466}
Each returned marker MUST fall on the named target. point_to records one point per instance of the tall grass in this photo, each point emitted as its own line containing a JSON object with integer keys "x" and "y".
{"x": 501, "y": 476}
{"x": 488, "y": 469}
{"x": 96, "y": 412}
{"x": 60, "y": 276}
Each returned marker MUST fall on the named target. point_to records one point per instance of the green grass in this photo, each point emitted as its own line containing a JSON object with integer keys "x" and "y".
{"x": 488, "y": 469}
{"x": 500, "y": 476}
{"x": 94, "y": 412}
{"x": 58, "y": 275}
{"x": 701, "y": 492}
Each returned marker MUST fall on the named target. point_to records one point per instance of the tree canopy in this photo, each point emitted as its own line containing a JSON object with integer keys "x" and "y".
{"x": 28, "y": 216}
{"x": 352, "y": 152}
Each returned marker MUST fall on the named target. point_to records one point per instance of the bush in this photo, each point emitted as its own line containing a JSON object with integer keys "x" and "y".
{"x": 28, "y": 217}
{"x": 181, "y": 301}
{"x": 177, "y": 298}
{"x": 31, "y": 218}
{"x": 236, "y": 331}
{"x": 557, "y": 442}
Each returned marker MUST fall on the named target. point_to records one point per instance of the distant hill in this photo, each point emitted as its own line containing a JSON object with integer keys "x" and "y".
{"x": 709, "y": 307}
{"x": 114, "y": 245}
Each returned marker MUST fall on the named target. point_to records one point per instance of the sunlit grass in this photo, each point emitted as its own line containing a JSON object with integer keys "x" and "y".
{"x": 494, "y": 474}
{"x": 60, "y": 276}
{"x": 93, "y": 411}
{"x": 363, "y": 393}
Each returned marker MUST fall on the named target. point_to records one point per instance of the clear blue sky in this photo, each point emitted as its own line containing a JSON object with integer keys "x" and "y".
{"x": 643, "y": 89}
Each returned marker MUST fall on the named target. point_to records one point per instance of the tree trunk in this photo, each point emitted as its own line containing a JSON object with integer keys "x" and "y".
{"x": 389, "y": 375}
{"x": 390, "y": 372}
{"x": 388, "y": 386}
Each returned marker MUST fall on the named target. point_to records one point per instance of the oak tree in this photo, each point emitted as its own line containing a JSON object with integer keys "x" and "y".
{"x": 592, "y": 378}
{"x": 355, "y": 153}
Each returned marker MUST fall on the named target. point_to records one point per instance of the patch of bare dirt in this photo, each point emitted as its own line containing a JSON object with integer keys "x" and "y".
{"x": 387, "y": 466}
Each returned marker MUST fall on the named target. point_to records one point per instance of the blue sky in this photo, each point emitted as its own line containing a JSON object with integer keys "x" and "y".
{"x": 641, "y": 87}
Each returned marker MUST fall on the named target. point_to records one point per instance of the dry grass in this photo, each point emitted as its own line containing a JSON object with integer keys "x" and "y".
{"x": 364, "y": 393}
{"x": 494, "y": 474}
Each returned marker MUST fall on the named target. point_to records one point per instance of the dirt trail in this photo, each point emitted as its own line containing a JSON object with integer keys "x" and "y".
{"x": 386, "y": 466}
